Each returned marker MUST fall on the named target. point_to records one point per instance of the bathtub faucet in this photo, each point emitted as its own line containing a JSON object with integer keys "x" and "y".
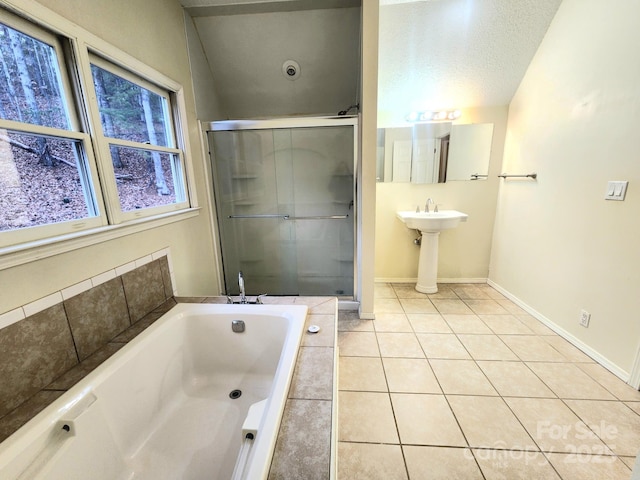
{"x": 243, "y": 298}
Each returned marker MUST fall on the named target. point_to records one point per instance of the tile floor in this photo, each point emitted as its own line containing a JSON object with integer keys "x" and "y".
{"x": 464, "y": 384}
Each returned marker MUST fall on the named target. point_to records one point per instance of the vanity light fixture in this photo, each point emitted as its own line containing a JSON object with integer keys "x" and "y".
{"x": 433, "y": 116}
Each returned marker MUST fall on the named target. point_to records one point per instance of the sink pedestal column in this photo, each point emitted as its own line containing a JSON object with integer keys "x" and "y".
{"x": 428, "y": 263}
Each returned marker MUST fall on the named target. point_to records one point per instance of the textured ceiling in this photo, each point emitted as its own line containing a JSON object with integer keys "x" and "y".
{"x": 433, "y": 53}
{"x": 456, "y": 53}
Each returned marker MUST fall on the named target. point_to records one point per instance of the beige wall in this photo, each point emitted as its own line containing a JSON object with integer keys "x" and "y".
{"x": 208, "y": 106}
{"x": 152, "y": 31}
{"x": 559, "y": 247}
{"x": 463, "y": 252}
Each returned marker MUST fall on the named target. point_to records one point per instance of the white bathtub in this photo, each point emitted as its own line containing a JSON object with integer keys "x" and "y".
{"x": 160, "y": 408}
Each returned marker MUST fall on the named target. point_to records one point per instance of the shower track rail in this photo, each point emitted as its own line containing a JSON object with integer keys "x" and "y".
{"x": 289, "y": 217}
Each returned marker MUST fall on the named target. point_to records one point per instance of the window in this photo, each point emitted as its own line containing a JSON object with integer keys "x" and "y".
{"x": 137, "y": 125}
{"x": 44, "y": 159}
{"x": 81, "y": 145}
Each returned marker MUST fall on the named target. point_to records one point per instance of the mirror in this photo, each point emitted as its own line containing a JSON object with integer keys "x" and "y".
{"x": 434, "y": 152}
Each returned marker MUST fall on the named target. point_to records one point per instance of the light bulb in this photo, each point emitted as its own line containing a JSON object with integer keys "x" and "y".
{"x": 413, "y": 117}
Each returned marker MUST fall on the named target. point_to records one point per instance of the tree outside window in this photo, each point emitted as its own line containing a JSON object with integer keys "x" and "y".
{"x": 43, "y": 171}
{"x": 68, "y": 163}
{"x": 135, "y": 119}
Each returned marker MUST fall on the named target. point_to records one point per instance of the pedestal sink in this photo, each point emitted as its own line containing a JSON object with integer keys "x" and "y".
{"x": 430, "y": 225}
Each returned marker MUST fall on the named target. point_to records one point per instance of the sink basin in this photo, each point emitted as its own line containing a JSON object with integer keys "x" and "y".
{"x": 430, "y": 225}
{"x": 432, "y": 221}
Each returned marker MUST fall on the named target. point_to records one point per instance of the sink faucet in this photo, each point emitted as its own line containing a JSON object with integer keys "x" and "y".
{"x": 243, "y": 298}
{"x": 426, "y": 205}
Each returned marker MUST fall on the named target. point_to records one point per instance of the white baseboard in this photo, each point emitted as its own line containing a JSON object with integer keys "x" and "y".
{"x": 606, "y": 363}
{"x": 395, "y": 280}
{"x": 462, "y": 280}
{"x": 634, "y": 378}
{"x": 440, "y": 280}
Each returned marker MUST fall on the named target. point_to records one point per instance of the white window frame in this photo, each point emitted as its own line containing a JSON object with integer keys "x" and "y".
{"x": 80, "y": 46}
{"x": 28, "y": 234}
{"x": 116, "y": 214}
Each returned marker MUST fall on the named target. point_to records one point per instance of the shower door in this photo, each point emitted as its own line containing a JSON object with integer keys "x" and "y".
{"x": 285, "y": 207}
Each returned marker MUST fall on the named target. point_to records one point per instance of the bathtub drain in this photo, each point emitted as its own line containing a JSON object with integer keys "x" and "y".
{"x": 235, "y": 394}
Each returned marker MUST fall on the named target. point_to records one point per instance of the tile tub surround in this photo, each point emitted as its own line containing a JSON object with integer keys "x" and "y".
{"x": 304, "y": 445}
{"x": 490, "y": 394}
{"x": 74, "y": 334}
{"x": 34, "y": 352}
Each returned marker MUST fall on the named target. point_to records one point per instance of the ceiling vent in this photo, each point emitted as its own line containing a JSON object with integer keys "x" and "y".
{"x": 291, "y": 70}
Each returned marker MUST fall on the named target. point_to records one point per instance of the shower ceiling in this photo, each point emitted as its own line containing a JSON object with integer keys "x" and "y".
{"x": 246, "y": 46}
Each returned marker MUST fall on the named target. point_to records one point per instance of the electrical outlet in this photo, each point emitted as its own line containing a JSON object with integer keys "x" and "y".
{"x": 584, "y": 318}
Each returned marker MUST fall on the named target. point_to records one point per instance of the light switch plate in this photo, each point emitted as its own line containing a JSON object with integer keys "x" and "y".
{"x": 616, "y": 190}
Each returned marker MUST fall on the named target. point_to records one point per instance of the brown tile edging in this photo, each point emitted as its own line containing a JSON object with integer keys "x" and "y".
{"x": 305, "y": 447}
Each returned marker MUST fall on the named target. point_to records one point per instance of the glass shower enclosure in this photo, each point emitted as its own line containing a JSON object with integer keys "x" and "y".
{"x": 284, "y": 193}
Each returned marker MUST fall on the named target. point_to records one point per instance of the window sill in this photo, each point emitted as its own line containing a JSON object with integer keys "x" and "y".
{"x": 15, "y": 255}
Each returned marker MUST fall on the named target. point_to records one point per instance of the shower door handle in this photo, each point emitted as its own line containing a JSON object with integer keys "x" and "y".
{"x": 289, "y": 217}
{"x": 318, "y": 217}
{"x": 266, "y": 215}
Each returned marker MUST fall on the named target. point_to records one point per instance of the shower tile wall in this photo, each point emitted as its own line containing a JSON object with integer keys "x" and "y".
{"x": 41, "y": 355}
